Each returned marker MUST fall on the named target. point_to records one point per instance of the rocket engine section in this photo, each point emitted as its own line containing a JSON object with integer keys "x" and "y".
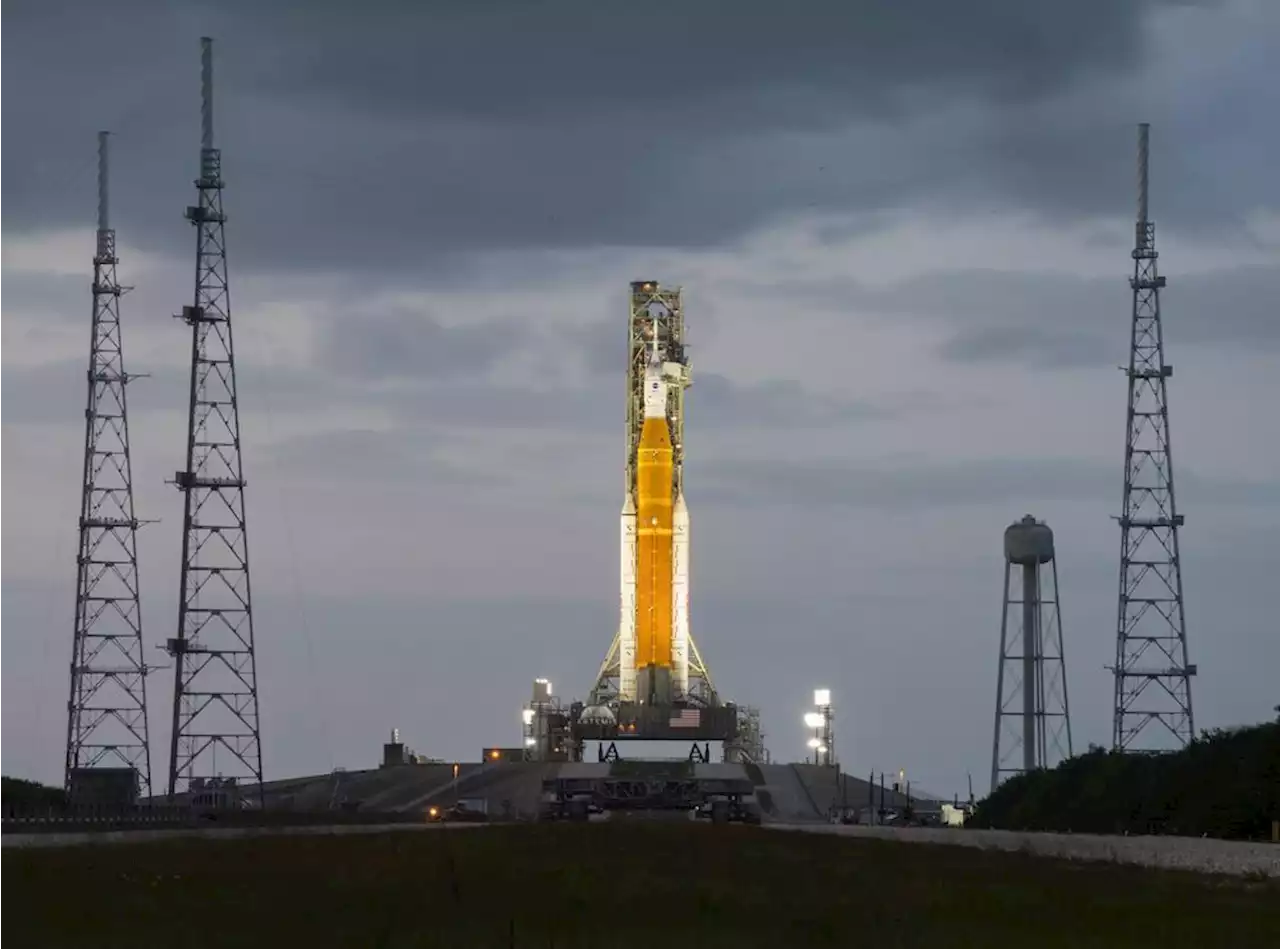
{"x": 655, "y": 561}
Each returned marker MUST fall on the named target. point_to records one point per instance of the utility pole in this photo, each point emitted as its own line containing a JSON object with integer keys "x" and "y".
{"x": 1152, "y": 674}
{"x": 107, "y": 710}
{"x": 215, "y": 689}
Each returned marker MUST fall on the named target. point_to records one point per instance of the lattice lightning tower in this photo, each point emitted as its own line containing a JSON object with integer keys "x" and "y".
{"x": 1152, "y": 674}
{"x": 107, "y": 710}
{"x": 215, "y": 701}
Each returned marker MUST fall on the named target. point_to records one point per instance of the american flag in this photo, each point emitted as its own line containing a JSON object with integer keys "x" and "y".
{"x": 686, "y": 718}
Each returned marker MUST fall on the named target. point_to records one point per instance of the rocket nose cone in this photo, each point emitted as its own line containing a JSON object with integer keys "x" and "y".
{"x": 680, "y": 505}
{"x": 629, "y": 507}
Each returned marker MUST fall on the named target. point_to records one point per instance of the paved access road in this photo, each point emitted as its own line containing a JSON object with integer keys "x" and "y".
{"x": 1237, "y": 857}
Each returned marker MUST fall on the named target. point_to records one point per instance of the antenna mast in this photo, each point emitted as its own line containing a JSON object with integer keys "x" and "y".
{"x": 216, "y": 741}
{"x": 1152, "y": 674}
{"x": 107, "y": 710}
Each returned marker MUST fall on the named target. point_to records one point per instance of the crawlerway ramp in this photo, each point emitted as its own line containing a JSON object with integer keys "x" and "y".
{"x": 785, "y": 793}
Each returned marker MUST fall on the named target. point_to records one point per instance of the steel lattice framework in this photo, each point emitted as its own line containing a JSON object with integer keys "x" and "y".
{"x": 107, "y": 710}
{"x": 215, "y": 702}
{"x": 1152, "y": 674}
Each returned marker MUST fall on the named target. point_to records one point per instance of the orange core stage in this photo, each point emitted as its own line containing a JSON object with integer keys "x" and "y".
{"x": 653, "y": 546}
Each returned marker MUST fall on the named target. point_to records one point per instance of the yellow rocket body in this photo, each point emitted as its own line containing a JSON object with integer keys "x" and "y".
{"x": 654, "y": 560}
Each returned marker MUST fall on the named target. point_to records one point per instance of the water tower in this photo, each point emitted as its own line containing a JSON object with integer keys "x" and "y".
{"x": 1032, "y": 727}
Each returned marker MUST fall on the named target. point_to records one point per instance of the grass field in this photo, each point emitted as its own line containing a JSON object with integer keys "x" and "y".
{"x": 612, "y": 885}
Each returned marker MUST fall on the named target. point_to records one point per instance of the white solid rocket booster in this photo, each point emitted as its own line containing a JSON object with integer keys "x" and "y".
{"x": 627, "y": 618}
{"x": 680, "y": 598}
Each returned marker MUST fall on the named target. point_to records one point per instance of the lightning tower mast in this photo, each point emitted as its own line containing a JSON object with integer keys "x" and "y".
{"x": 107, "y": 710}
{"x": 1152, "y": 674}
{"x": 215, "y": 741}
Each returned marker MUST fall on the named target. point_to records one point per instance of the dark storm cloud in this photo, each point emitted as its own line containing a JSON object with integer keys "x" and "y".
{"x": 394, "y": 138}
{"x": 517, "y": 59}
{"x": 929, "y": 484}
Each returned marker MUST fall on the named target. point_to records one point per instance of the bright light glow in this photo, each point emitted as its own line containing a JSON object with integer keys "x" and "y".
{"x": 495, "y": 754}
{"x": 813, "y": 719}
{"x": 530, "y": 742}
{"x": 822, "y": 749}
{"x": 821, "y": 697}
{"x": 814, "y": 743}
{"x": 527, "y": 716}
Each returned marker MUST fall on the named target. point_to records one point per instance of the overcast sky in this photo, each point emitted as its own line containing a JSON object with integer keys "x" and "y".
{"x": 903, "y": 230}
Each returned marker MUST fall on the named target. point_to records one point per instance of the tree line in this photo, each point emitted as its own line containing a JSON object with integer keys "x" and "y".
{"x": 22, "y": 794}
{"x": 1225, "y": 784}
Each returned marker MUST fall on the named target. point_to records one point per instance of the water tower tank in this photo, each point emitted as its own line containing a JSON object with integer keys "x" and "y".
{"x": 1028, "y": 542}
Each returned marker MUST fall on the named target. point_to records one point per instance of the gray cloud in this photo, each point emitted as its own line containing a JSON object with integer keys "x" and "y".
{"x": 368, "y": 456}
{"x": 724, "y": 53}
{"x": 1058, "y": 320}
{"x": 597, "y": 410}
{"x": 940, "y": 484}
{"x": 54, "y": 393}
{"x": 403, "y": 342}
{"x": 418, "y": 132}
{"x": 52, "y": 296}
{"x": 1030, "y": 344}
{"x": 1061, "y": 320}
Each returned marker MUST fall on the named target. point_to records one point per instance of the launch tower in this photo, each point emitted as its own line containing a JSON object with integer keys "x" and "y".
{"x": 108, "y": 751}
{"x": 1152, "y": 674}
{"x": 1032, "y": 715}
{"x": 215, "y": 740}
{"x": 646, "y": 664}
{"x": 653, "y": 683}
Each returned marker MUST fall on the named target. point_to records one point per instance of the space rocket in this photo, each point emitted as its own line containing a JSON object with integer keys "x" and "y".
{"x": 654, "y": 619}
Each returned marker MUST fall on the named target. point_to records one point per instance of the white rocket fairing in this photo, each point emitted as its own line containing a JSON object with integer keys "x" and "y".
{"x": 627, "y": 618}
{"x": 680, "y": 596}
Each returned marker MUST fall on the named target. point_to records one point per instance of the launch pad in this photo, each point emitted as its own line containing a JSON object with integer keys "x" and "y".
{"x": 653, "y": 684}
